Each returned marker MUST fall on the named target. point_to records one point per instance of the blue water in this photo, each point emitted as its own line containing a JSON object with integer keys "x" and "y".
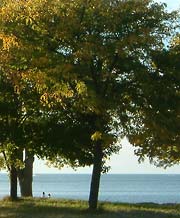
{"x": 114, "y": 187}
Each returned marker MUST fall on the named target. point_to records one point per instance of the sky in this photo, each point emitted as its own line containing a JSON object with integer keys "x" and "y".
{"x": 125, "y": 162}
{"x": 172, "y": 4}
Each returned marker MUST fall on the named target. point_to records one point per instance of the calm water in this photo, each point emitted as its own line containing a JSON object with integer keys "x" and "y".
{"x": 116, "y": 188}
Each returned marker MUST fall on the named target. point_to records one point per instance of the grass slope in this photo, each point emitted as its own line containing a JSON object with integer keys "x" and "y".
{"x": 52, "y": 208}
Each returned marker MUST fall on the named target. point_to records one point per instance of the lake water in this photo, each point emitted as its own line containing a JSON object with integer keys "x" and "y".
{"x": 114, "y": 187}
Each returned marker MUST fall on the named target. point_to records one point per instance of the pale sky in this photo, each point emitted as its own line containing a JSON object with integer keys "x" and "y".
{"x": 172, "y": 4}
{"x": 126, "y": 161}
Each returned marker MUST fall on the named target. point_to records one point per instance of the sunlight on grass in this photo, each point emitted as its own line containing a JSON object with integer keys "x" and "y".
{"x": 52, "y": 208}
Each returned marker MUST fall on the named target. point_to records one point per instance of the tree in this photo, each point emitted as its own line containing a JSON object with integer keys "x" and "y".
{"x": 19, "y": 97}
{"x": 8, "y": 105}
{"x": 107, "y": 46}
{"x": 24, "y": 71}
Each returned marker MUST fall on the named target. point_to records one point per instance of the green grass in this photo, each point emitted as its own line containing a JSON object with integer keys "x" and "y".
{"x": 53, "y": 208}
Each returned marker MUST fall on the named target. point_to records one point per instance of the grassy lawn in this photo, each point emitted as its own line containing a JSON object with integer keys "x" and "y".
{"x": 52, "y": 208}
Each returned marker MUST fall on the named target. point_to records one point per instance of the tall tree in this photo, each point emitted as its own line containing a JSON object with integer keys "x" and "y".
{"x": 19, "y": 97}
{"x": 28, "y": 56}
{"x": 107, "y": 46}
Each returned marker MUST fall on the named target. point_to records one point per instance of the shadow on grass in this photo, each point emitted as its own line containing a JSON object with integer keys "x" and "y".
{"x": 73, "y": 209}
{"x": 141, "y": 210}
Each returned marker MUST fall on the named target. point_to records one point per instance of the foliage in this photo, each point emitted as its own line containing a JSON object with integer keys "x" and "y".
{"x": 159, "y": 137}
{"x": 20, "y": 91}
{"x": 92, "y": 66}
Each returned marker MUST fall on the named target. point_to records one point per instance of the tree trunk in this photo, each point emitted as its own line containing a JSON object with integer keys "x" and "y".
{"x": 95, "y": 179}
{"x": 13, "y": 183}
{"x": 25, "y": 176}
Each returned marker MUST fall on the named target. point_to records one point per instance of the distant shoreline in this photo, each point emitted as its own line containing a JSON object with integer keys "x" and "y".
{"x": 5, "y": 173}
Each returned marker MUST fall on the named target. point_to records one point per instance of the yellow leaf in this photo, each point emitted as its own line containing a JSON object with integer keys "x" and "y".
{"x": 96, "y": 136}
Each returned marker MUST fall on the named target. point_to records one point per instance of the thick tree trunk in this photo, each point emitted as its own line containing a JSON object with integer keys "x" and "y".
{"x": 13, "y": 183}
{"x": 95, "y": 180}
{"x": 25, "y": 176}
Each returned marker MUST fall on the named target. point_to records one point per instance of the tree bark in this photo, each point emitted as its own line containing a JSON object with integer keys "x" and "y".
{"x": 95, "y": 179}
{"x": 13, "y": 183}
{"x": 25, "y": 176}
